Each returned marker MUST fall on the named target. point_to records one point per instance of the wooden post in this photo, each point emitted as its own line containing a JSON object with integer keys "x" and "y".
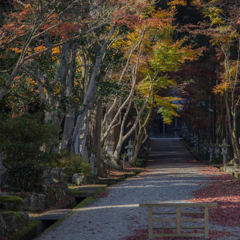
{"x": 150, "y": 224}
{"x": 206, "y": 220}
{"x": 178, "y": 220}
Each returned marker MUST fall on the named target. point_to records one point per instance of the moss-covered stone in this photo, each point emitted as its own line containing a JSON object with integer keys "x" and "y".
{"x": 13, "y": 203}
{"x": 60, "y": 192}
{"x": 50, "y": 196}
{"x": 30, "y": 231}
{"x": 11, "y": 221}
{"x": 237, "y": 175}
{"x": 11, "y": 199}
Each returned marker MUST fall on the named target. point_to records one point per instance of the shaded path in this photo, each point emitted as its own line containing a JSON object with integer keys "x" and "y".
{"x": 172, "y": 175}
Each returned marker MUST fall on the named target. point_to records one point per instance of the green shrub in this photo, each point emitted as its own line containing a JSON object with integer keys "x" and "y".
{"x": 24, "y": 175}
{"x": 22, "y": 136}
{"x": 217, "y": 160}
{"x": 70, "y": 159}
{"x": 141, "y": 162}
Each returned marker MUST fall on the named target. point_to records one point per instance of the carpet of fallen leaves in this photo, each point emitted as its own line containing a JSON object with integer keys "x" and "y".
{"x": 224, "y": 189}
{"x": 142, "y": 234}
{"x": 103, "y": 194}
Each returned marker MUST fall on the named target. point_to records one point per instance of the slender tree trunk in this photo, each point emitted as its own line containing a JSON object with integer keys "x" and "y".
{"x": 234, "y": 136}
{"x": 109, "y": 141}
{"x": 101, "y": 169}
{"x": 68, "y": 128}
{"x": 141, "y": 132}
{"x": 231, "y": 129}
{"x": 121, "y": 138}
{"x": 85, "y": 133}
{"x": 137, "y": 148}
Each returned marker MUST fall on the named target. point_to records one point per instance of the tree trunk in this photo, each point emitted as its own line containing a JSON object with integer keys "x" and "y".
{"x": 234, "y": 136}
{"x": 68, "y": 128}
{"x": 70, "y": 116}
{"x": 231, "y": 129}
{"x": 100, "y": 165}
{"x": 90, "y": 95}
{"x": 137, "y": 148}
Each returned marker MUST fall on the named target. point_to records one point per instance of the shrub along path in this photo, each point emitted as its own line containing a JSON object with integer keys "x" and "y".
{"x": 172, "y": 175}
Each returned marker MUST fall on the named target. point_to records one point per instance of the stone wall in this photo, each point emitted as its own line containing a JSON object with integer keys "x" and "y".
{"x": 50, "y": 195}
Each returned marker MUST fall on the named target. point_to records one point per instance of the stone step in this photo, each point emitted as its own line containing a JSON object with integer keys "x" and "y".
{"x": 130, "y": 175}
{"x": 55, "y": 214}
{"x": 138, "y": 170}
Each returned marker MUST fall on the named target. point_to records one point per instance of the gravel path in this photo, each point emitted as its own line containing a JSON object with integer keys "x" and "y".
{"x": 170, "y": 176}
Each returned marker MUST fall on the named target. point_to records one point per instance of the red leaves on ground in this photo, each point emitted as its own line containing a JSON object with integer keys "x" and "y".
{"x": 224, "y": 189}
{"x": 103, "y": 194}
{"x": 142, "y": 234}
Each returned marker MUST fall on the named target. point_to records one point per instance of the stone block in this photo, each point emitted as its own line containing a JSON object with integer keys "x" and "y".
{"x": 34, "y": 202}
{"x": 12, "y": 203}
{"x": 48, "y": 179}
{"x": 59, "y": 192}
{"x": 56, "y": 173}
{"x": 79, "y": 179}
{"x": 63, "y": 177}
{"x": 231, "y": 169}
{"x": 3, "y": 177}
{"x": 46, "y": 171}
{"x": 50, "y": 198}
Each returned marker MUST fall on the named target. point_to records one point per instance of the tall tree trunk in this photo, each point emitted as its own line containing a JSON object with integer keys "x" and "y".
{"x": 89, "y": 96}
{"x": 70, "y": 116}
{"x": 100, "y": 165}
{"x": 68, "y": 128}
{"x": 137, "y": 148}
{"x": 85, "y": 133}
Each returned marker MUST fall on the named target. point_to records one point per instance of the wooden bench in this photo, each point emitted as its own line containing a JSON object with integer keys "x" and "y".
{"x": 178, "y": 219}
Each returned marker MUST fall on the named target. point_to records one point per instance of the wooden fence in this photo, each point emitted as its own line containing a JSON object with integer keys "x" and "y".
{"x": 178, "y": 220}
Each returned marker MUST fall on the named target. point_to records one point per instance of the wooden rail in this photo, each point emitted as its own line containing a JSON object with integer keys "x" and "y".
{"x": 178, "y": 220}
